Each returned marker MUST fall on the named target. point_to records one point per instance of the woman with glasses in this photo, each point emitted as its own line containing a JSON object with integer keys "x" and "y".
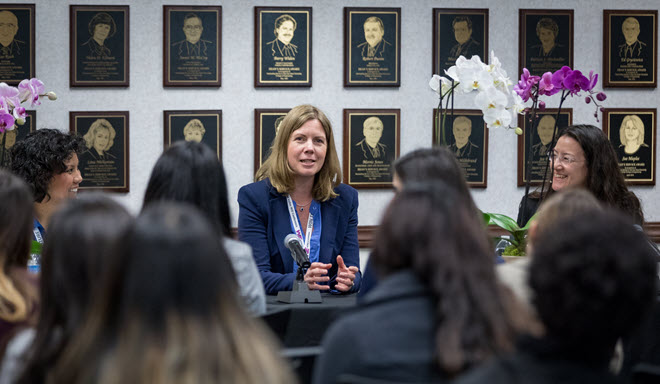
{"x": 584, "y": 157}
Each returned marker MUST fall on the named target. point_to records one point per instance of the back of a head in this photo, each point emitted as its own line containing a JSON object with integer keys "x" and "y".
{"x": 593, "y": 277}
{"x": 190, "y": 172}
{"x": 16, "y": 296}
{"x": 76, "y": 254}
{"x": 431, "y": 230}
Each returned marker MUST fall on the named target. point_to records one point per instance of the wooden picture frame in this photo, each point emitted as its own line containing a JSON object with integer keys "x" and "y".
{"x": 366, "y": 166}
{"x": 199, "y": 125}
{"x": 540, "y": 144}
{"x": 470, "y": 25}
{"x": 94, "y": 64}
{"x": 192, "y": 46}
{"x": 284, "y": 61}
{"x": 630, "y": 48}
{"x": 15, "y": 135}
{"x": 372, "y": 47}
{"x": 472, "y": 131}
{"x": 17, "y": 57}
{"x": 266, "y": 124}
{"x": 545, "y": 40}
{"x": 105, "y": 165}
{"x": 622, "y": 126}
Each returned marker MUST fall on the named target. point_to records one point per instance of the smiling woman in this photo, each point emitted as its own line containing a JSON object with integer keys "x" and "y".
{"x": 298, "y": 190}
{"x": 47, "y": 160}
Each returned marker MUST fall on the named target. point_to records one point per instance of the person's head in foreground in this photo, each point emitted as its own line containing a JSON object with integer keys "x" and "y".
{"x": 168, "y": 312}
{"x": 75, "y": 255}
{"x": 295, "y": 159}
{"x": 17, "y": 297}
{"x": 47, "y": 159}
{"x": 584, "y": 157}
{"x": 190, "y": 172}
{"x": 475, "y": 316}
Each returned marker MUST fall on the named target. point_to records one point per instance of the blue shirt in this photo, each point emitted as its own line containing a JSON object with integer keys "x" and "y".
{"x": 315, "y": 242}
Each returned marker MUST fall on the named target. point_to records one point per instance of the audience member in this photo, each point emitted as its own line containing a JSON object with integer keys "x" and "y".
{"x": 75, "y": 256}
{"x": 593, "y": 279}
{"x": 439, "y": 309}
{"x": 298, "y": 190}
{"x": 18, "y": 288}
{"x": 190, "y": 172}
{"x": 169, "y": 312}
{"x": 47, "y": 160}
{"x": 583, "y": 156}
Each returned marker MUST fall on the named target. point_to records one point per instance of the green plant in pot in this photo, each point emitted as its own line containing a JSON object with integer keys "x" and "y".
{"x": 517, "y": 236}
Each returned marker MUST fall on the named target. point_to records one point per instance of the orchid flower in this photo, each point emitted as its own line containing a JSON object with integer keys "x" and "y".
{"x": 6, "y": 122}
{"x": 440, "y": 85}
{"x": 31, "y": 90}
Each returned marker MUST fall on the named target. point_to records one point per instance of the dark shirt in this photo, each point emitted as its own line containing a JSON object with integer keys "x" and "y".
{"x": 377, "y": 51}
{"x": 633, "y": 50}
{"x": 96, "y": 49}
{"x": 280, "y": 49}
{"x": 467, "y": 49}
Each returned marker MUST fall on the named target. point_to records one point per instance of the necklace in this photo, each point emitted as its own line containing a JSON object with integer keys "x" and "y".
{"x": 302, "y": 206}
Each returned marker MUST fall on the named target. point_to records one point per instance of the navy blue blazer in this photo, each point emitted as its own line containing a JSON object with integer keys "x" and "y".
{"x": 263, "y": 222}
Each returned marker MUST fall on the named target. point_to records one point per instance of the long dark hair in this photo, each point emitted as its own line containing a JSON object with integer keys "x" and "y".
{"x": 604, "y": 177}
{"x": 190, "y": 172}
{"x": 16, "y": 298}
{"x": 75, "y": 255}
{"x": 168, "y": 310}
{"x": 429, "y": 229}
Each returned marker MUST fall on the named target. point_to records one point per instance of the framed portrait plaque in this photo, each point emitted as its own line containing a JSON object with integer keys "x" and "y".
{"x": 17, "y": 134}
{"x": 541, "y": 141}
{"x": 371, "y": 144}
{"x": 372, "y": 47}
{"x": 99, "y": 46}
{"x": 283, "y": 46}
{"x": 546, "y": 40}
{"x": 105, "y": 165}
{"x": 16, "y": 43}
{"x": 266, "y": 125}
{"x": 458, "y": 32}
{"x": 630, "y": 48}
{"x": 467, "y": 137}
{"x": 199, "y": 126}
{"x": 192, "y": 46}
{"x": 632, "y": 132}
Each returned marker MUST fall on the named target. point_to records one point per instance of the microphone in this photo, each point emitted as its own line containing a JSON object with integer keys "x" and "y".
{"x": 292, "y": 242}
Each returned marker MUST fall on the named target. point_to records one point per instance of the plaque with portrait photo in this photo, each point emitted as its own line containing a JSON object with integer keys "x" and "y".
{"x": 630, "y": 48}
{"x": 266, "y": 125}
{"x": 632, "y": 132}
{"x": 200, "y": 126}
{"x": 546, "y": 40}
{"x": 99, "y": 46}
{"x": 9, "y": 138}
{"x": 458, "y": 32}
{"x": 104, "y": 166}
{"x": 372, "y": 47}
{"x": 466, "y": 135}
{"x": 16, "y": 43}
{"x": 541, "y": 141}
{"x": 283, "y": 46}
{"x": 371, "y": 144}
{"x": 192, "y": 46}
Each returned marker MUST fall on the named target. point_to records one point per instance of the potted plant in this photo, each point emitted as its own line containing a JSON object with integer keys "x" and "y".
{"x": 517, "y": 235}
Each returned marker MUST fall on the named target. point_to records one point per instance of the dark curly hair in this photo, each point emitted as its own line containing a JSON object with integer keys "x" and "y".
{"x": 41, "y": 155}
{"x": 594, "y": 278}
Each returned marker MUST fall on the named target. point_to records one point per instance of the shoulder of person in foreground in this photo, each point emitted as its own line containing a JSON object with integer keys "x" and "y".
{"x": 247, "y": 275}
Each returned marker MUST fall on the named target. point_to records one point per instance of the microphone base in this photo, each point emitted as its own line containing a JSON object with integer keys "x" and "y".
{"x": 299, "y": 294}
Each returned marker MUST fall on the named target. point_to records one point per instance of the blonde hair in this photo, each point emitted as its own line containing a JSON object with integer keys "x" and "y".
{"x": 277, "y": 169}
{"x": 637, "y": 123}
{"x": 90, "y": 136}
{"x": 194, "y": 124}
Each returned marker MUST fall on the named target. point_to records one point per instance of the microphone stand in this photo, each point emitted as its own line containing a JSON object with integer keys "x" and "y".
{"x": 300, "y": 293}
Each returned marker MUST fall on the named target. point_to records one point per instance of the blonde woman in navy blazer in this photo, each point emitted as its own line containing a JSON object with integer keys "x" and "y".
{"x": 304, "y": 166}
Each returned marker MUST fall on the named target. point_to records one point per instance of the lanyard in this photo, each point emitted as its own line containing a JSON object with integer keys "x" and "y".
{"x": 296, "y": 226}
{"x": 37, "y": 236}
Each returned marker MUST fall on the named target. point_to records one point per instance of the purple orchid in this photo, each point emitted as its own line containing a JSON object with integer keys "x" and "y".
{"x": 601, "y": 96}
{"x": 6, "y": 122}
{"x": 30, "y": 90}
{"x": 525, "y": 85}
{"x": 575, "y": 82}
{"x": 592, "y": 81}
{"x": 545, "y": 85}
{"x": 559, "y": 76}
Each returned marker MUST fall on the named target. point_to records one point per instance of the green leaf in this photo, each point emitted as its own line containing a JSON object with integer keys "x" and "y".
{"x": 504, "y": 222}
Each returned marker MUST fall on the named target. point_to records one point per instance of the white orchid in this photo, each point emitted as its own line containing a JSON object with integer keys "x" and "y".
{"x": 491, "y": 98}
{"x": 440, "y": 85}
{"x": 497, "y": 117}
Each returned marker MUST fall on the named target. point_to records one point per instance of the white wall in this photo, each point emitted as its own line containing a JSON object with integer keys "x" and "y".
{"x": 146, "y": 98}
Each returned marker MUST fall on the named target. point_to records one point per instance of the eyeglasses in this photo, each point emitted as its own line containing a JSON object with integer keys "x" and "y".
{"x": 196, "y": 27}
{"x": 563, "y": 159}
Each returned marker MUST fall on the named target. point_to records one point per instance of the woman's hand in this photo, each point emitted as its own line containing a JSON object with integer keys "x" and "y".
{"x": 317, "y": 272}
{"x": 345, "y": 275}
